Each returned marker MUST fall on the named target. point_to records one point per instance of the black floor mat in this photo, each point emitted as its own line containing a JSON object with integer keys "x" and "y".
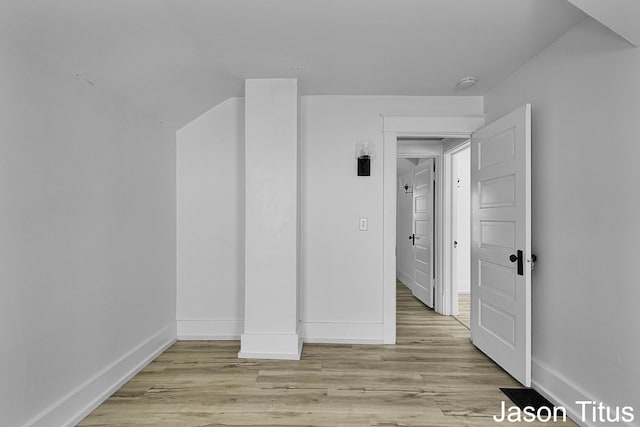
{"x": 527, "y": 397}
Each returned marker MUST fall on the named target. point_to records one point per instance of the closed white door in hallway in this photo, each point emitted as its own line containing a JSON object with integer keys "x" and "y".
{"x": 422, "y": 237}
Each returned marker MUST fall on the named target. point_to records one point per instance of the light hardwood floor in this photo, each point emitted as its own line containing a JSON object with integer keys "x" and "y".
{"x": 464, "y": 310}
{"x": 432, "y": 377}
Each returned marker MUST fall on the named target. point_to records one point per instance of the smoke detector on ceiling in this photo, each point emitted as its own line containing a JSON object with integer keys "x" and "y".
{"x": 467, "y": 82}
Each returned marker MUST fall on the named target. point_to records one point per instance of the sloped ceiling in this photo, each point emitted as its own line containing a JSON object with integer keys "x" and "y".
{"x": 178, "y": 58}
{"x": 621, "y": 16}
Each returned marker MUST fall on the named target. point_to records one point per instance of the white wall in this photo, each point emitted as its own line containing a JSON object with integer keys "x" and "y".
{"x": 87, "y": 240}
{"x": 341, "y": 289}
{"x": 342, "y": 284}
{"x": 405, "y": 256}
{"x": 211, "y": 189}
{"x": 462, "y": 193}
{"x": 585, "y": 95}
{"x": 417, "y": 148}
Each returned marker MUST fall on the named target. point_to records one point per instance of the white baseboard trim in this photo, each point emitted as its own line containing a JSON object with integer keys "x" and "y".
{"x": 561, "y": 391}
{"x": 418, "y": 291}
{"x": 271, "y": 346}
{"x": 342, "y": 333}
{"x": 311, "y": 332}
{"x": 210, "y": 329}
{"x": 404, "y": 278}
{"x": 77, "y": 404}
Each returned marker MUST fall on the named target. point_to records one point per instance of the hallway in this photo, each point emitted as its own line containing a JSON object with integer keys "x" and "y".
{"x": 434, "y": 376}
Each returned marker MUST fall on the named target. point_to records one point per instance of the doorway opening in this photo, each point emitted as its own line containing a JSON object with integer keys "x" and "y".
{"x": 424, "y": 188}
{"x": 459, "y": 188}
{"x": 415, "y": 227}
{"x": 501, "y": 257}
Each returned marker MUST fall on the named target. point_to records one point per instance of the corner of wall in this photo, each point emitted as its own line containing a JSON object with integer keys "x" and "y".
{"x": 77, "y": 404}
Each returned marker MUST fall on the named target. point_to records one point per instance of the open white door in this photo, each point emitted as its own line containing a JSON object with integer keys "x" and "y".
{"x": 422, "y": 236}
{"x": 501, "y": 242}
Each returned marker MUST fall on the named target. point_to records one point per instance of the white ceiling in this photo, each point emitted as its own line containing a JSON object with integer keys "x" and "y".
{"x": 178, "y": 58}
{"x": 405, "y": 165}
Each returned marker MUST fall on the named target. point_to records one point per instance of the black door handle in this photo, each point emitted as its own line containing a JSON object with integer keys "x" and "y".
{"x": 413, "y": 239}
{"x": 520, "y": 259}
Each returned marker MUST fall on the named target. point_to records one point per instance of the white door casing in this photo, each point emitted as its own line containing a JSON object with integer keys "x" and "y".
{"x": 501, "y": 230}
{"x": 422, "y": 226}
{"x": 395, "y": 126}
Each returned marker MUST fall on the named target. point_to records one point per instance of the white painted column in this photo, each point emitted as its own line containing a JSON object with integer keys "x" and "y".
{"x": 272, "y": 213}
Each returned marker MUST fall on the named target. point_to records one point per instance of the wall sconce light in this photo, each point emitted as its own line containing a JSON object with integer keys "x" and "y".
{"x": 365, "y": 152}
{"x": 404, "y": 185}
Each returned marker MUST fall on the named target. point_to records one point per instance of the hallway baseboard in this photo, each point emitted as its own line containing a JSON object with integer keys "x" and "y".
{"x": 417, "y": 290}
{"x": 404, "y": 278}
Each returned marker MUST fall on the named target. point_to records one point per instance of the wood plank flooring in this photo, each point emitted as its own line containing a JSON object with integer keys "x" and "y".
{"x": 434, "y": 376}
{"x": 464, "y": 310}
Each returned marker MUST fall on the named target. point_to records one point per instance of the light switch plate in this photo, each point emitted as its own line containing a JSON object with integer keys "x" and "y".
{"x": 364, "y": 224}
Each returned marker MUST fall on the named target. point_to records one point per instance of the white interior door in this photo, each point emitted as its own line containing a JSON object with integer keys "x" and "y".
{"x": 501, "y": 242}
{"x": 422, "y": 236}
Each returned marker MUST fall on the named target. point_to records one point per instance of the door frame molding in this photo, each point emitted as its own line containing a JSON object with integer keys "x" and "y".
{"x": 394, "y": 126}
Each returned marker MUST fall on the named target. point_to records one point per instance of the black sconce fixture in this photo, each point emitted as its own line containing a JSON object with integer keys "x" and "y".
{"x": 364, "y": 165}
{"x": 364, "y": 155}
{"x": 404, "y": 185}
